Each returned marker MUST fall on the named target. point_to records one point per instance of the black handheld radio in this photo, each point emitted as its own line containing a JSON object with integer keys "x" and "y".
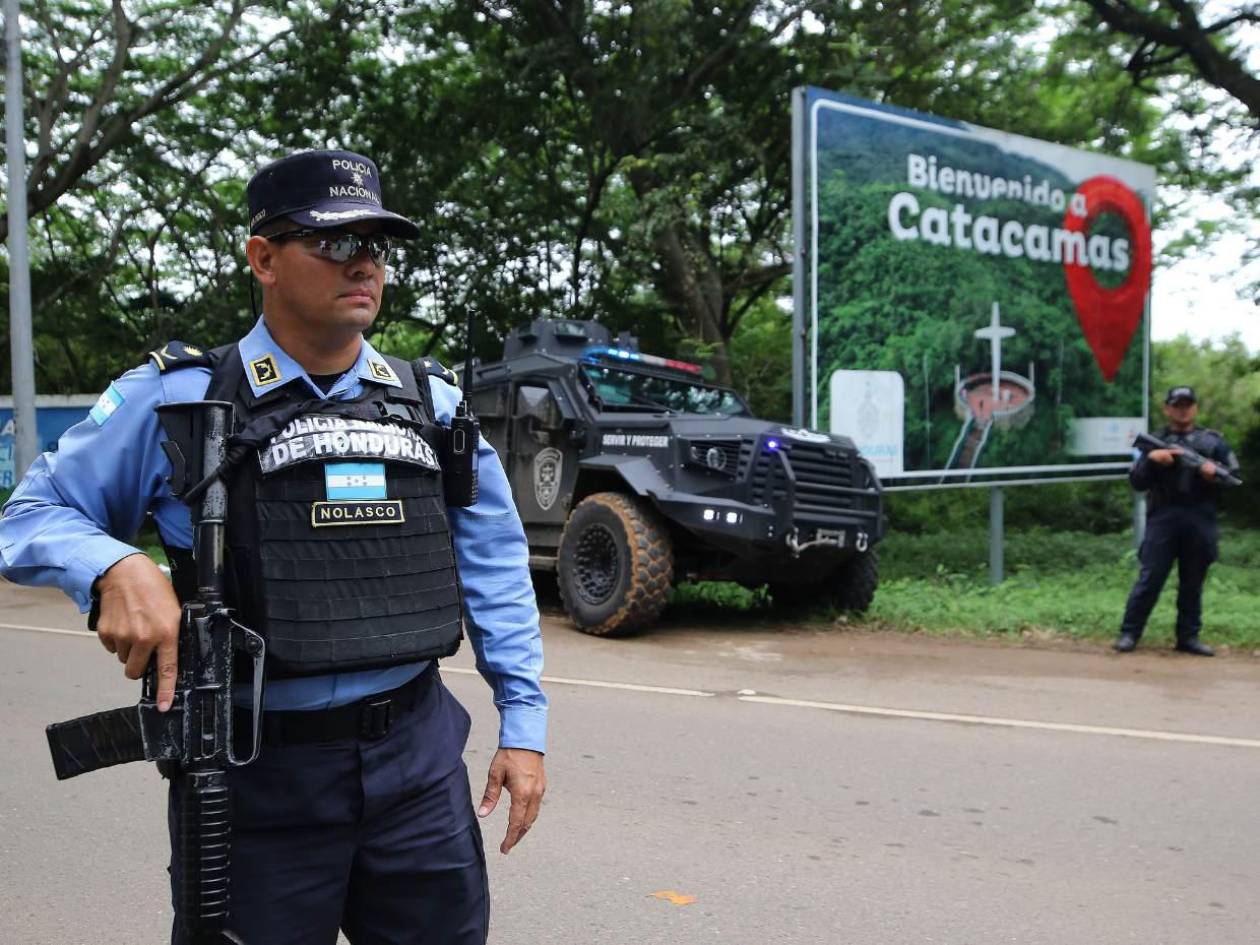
{"x": 459, "y": 466}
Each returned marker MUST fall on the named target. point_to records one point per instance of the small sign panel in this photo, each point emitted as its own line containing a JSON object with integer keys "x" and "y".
{"x": 869, "y": 407}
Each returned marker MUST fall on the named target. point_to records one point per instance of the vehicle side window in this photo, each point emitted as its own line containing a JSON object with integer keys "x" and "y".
{"x": 537, "y": 403}
{"x": 490, "y": 402}
{"x": 489, "y": 406}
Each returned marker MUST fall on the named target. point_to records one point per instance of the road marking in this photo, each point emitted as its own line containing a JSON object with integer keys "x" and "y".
{"x": 745, "y": 695}
{"x": 597, "y": 684}
{"x": 69, "y": 633}
{"x": 1008, "y": 723}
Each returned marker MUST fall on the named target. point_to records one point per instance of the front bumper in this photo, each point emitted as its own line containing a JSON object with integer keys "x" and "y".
{"x": 786, "y": 501}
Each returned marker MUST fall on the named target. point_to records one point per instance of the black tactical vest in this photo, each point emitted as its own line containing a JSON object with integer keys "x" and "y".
{"x": 338, "y": 567}
{"x": 1183, "y": 485}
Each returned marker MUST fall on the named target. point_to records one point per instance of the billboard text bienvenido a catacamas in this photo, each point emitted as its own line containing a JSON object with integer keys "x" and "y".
{"x": 985, "y": 234}
{"x": 972, "y": 296}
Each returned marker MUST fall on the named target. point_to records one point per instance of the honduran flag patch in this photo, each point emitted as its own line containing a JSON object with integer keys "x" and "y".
{"x": 344, "y": 481}
{"x": 108, "y": 402}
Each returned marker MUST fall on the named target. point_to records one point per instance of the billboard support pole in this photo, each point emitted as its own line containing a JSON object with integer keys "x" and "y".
{"x": 996, "y": 536}
{"x": 798, "y": 257}
{"x": 20, "y": 339}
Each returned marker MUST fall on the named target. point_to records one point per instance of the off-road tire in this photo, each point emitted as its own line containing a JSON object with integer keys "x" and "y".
{"x": 853, "y": 587}
{"x": 616, "y": 565}
{"x": 850, "y": 587}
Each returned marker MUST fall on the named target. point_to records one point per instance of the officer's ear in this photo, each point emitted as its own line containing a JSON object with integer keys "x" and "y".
{"x": 262, "y": 253}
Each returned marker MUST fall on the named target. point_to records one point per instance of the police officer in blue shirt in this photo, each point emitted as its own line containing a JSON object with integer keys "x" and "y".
{"x": 1181, "y": 522}
{"x": 357, "y": 815}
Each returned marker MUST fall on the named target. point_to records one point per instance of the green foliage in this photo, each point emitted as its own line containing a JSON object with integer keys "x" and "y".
{"x": 1060, "y": 583}
{"x": 761, "y": 360}
{"x": 1095, "y": 507}
{"x": 1226, "y": 378}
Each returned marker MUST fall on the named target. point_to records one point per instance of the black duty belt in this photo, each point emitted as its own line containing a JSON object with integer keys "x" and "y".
{"x": 370, "y": 718}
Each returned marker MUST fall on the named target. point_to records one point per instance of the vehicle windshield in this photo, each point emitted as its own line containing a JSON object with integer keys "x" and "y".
{"x": 619, "y": 389}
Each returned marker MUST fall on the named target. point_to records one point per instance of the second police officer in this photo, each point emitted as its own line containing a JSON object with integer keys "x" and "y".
{"x": 1181, "y": 522}
{"x": 358, "y": 814}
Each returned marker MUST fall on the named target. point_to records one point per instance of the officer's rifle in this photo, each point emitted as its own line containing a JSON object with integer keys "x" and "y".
{"x": 1185, "y": 457}
{"x": 195, "y": 736}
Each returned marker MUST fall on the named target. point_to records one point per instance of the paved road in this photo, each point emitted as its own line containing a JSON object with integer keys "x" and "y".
{"x": 804, "y": 786}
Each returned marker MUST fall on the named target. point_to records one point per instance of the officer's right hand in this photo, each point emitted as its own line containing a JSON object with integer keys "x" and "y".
{"x": 1164, "y": 457}
{"x": 139, "y": 615}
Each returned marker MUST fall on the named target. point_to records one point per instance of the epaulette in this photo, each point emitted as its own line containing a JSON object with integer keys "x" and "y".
{"x": 177, "y": 354}
{"x": 431, "y": 367}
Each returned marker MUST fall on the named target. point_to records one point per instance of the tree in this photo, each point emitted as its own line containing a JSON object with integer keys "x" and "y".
{"x": 97, "y": 72}
{"x": 1172, "y": 35}
{"x": 1174, "y": 52}
{"x": 137, "y": 124}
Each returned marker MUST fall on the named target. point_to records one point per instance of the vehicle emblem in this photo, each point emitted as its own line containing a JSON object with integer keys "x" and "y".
{"x": 715, "y": 458}
{"x": 548, "y": 466}
{"x": 807, "y": 436}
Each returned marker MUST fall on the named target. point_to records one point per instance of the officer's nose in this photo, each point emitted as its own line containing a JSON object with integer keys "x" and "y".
{"x": 360, "y": 265}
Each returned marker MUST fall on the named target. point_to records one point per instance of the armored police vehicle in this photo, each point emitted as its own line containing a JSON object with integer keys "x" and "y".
{"x": 631, "y": 472}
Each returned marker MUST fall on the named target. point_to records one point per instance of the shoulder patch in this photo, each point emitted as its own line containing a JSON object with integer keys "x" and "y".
{"x": 433, "y": 368}
{"x": 105, "y": 406}
{"x": 176, "y": 354}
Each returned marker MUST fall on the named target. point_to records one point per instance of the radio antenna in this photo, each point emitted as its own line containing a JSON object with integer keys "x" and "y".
{"x": 468, "y": 354}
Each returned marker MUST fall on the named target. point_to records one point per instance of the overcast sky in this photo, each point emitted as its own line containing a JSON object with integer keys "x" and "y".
{"x": 1199, "y": 297}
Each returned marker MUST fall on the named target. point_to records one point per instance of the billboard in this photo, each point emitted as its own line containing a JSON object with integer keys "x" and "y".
{"x": 54, "y": 415}
{"x": 1004, "y": 280}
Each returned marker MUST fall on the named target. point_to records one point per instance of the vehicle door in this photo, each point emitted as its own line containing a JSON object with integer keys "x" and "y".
{"x": 543, "y": 463}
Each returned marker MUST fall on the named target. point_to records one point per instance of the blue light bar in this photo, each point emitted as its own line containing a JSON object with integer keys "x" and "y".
{"x": 598, "y": 351}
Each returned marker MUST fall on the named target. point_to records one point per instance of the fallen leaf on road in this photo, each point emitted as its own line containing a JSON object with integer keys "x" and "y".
{"x": 675, "y": 898}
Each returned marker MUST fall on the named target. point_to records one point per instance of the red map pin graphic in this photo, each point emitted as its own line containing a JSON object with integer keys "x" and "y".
{"x": 1109, "y": 317}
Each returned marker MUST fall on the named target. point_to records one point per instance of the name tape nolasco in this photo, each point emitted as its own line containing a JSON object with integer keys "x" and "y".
{"x": 357, "y": 512}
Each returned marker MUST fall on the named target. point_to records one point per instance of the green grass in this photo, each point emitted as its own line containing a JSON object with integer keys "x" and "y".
{"x": 1059, "y": 584}
{"x": 1065, "y": 584}
{"x": 1070, "y": 584}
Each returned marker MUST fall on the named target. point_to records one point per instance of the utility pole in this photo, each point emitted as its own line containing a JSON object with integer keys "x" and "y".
{"x": 21, "y": 345}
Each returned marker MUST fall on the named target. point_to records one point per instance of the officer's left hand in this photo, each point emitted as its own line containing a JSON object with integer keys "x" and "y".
{"x": 1208, "y": 470}
{"x": 521, "y": 772}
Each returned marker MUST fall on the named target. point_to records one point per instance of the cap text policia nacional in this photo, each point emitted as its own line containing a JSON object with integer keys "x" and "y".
{"x": 322, "y": 189}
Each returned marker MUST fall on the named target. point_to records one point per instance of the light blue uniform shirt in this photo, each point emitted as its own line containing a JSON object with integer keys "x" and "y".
{"x": 62, "y": 524}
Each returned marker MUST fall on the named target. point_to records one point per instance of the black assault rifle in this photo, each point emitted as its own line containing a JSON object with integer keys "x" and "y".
{"x": 1186, "y": 457}
{"x": 194, "y": 737}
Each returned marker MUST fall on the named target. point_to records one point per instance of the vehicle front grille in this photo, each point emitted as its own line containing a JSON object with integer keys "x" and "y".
{"x": 826, "y": 476}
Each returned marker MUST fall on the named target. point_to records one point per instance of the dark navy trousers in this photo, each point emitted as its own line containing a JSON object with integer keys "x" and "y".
{"x": 1183, "y": 534}
{"x": 376, "y": 838}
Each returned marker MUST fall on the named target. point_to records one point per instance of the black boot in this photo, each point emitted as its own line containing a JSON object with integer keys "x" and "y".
{"x": 1125, "y": 643}
{"x": 1194, "y": 646}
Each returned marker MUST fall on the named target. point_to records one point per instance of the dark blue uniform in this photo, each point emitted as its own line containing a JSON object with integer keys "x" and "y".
{"x": 1181, "y": 528}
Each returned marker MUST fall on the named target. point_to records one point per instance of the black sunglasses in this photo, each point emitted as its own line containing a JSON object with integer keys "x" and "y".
{"x": 339, "y": 246}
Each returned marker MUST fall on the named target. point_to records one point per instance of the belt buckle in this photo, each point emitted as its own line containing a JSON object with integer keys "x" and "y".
{"x": 376, "y": 718}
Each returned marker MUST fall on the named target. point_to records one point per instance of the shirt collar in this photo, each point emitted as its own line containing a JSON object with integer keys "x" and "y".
{"x": 268, "y": 366}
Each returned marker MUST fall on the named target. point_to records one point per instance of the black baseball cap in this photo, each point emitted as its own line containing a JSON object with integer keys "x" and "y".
{"x": 1181, "y": 393}
{"x": 322, "y": 189}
